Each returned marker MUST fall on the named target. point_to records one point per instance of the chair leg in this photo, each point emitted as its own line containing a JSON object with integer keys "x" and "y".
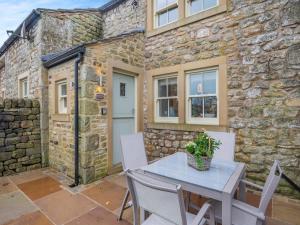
{"x": 124, "y": 205}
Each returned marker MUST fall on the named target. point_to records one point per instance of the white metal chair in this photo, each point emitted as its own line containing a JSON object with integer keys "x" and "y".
{"x": 164, "y": 201}
{"x": 245, "y": 214}
{"x": 133, "y": 157}
{"x": 226, "y": 150}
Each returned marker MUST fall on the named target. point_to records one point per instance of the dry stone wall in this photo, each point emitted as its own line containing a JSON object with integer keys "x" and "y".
{"x": 261, "y": 40}
{"x": 20, "y": 139}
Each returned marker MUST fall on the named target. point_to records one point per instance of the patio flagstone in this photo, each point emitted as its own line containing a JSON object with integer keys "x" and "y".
{"x": 39, "y": 188}
{"x": 108, "y": 194}
{"x": 98, "y": 216}
{"x": 14, "y": 205}
{"x": 27, "y": 176}
{"x": 63, "y": 206}
{"x": 6, "y": 186}
{"x": 35, "y": 218}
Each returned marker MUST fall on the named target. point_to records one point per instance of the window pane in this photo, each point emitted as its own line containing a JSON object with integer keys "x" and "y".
{"x": 122, "y": 89}
{"x": 63, "y": 89}
{"x": 196, "y": 6}
{"x": 163, "y": 107}
{"x": 172, "y": 87}
{"x": 210, "y": 107}
{"x": 25, "y": 88}
{"x": 197, "y": 107}
{"x": 162, "y": 88}
{"x": 209, "y": 82}
{"x": 173, "y": 15}
{"x": 162, "y": 19}
{"x": 169, "y": 2}
{"x": 173, "y": 108}
{"x": 196, "y": 84}
{"x": 209, "y": 4}
{"x": 161, "y": 4}
{"x": 65, "y": 102}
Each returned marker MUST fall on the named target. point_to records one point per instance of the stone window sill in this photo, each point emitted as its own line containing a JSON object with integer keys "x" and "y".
{"x": 187, "y": 20}
{"x": 61, "y": 117}
{"x": 186, "y": 127}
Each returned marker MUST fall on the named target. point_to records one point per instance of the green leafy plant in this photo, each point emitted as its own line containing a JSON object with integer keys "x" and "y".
{"x": 203, "y": 146}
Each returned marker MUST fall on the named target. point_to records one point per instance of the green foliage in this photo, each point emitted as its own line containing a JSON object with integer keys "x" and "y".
{"x": 203, "y": 146}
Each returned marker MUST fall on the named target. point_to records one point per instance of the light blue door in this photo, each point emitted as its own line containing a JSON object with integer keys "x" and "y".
{"x": 123, "y": 118}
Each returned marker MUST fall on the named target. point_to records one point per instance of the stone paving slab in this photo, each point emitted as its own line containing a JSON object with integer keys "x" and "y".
{"x": 39, "y": 188}
{"x": 63, "y": 206}
{"x": 27, "y": 176}
{"x": 14, "y": 205}
{"x": 98, "y": 216}
{"x": 6, "y": 186}
{"x": 107, "y": 194}
{"x": 35, "y": 218}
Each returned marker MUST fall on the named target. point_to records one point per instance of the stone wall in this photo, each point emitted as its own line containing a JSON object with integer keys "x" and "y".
{"x": 124, "y": 18}
{"x": 261, "y": 40}
{"x": 93, "y": 125}
{"x": 20, "y": 139}
{"x": 61, "y": 129}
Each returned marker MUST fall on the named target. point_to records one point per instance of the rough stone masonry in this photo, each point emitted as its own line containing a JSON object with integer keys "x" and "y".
{"x": 20, "y": 139}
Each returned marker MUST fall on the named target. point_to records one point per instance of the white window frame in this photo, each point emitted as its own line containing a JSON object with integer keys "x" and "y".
{"x": 158, "y": 118}
{"x": 21, "y": 78}
{"x": 24, "y": 86}
{"x": 59, "y": 84}
{"x": 188, "y": 8}
{"x": 157, "y": 12}
{"x": 188, "y": 105}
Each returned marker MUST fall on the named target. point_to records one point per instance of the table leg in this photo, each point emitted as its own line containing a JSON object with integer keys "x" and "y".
{"x": 226, "y": 209}
{"x": 242, "y": 190}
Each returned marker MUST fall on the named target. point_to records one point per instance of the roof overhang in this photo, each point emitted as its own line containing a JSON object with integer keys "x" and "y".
{"x": 55, "y": 59}
{"x": 111, "y": 4}
{"x": 30, "y": 21}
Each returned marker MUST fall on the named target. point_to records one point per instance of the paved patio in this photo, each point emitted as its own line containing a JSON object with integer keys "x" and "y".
{"x": 42, "y": 197}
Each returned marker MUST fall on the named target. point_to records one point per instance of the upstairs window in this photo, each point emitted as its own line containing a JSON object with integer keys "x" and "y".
{"x": 166, "y": 99}
{"x": 166, "y": 11}
{"x": 195, "y": 6}
{"x": 24, "y": 89}
{"x": 202, "y": 97}
{"x": 62, "y": 101}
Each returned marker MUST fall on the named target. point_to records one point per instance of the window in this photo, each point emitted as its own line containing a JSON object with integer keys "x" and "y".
{"x": 62, "y": 101}
{"x": 24, "y": 89}
{"x": 202, "y": 97}
{"x": 195, "y": 6}
{"x": 166, "y": 100}
{"x": 166, "y": 11}
{"x": 122, "y": 89}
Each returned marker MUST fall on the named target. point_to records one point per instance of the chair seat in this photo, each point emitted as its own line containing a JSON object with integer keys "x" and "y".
{"x": 156, "y": 220}
{"x": 239, "y": 217}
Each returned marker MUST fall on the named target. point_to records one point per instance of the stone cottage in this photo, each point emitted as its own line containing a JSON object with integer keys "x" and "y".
{"x": 21, "y": 72}
{"x": 171, "y": 68}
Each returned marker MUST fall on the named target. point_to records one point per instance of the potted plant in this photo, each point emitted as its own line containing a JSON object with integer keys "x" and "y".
{"x": 201, "y": 150}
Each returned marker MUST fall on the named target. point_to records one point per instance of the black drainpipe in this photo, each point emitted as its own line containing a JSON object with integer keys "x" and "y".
{"x": 76, "y": 120}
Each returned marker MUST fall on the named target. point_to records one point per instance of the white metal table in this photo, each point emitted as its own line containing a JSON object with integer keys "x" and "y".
{"x": 219, "y": 182}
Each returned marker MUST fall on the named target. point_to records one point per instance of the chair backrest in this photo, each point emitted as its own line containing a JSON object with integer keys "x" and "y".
{"x": 270, "y": 186}
{"x": 226, "y": 150}
{"x": 133, "y": 151}
{"x": 160, "y": 198}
